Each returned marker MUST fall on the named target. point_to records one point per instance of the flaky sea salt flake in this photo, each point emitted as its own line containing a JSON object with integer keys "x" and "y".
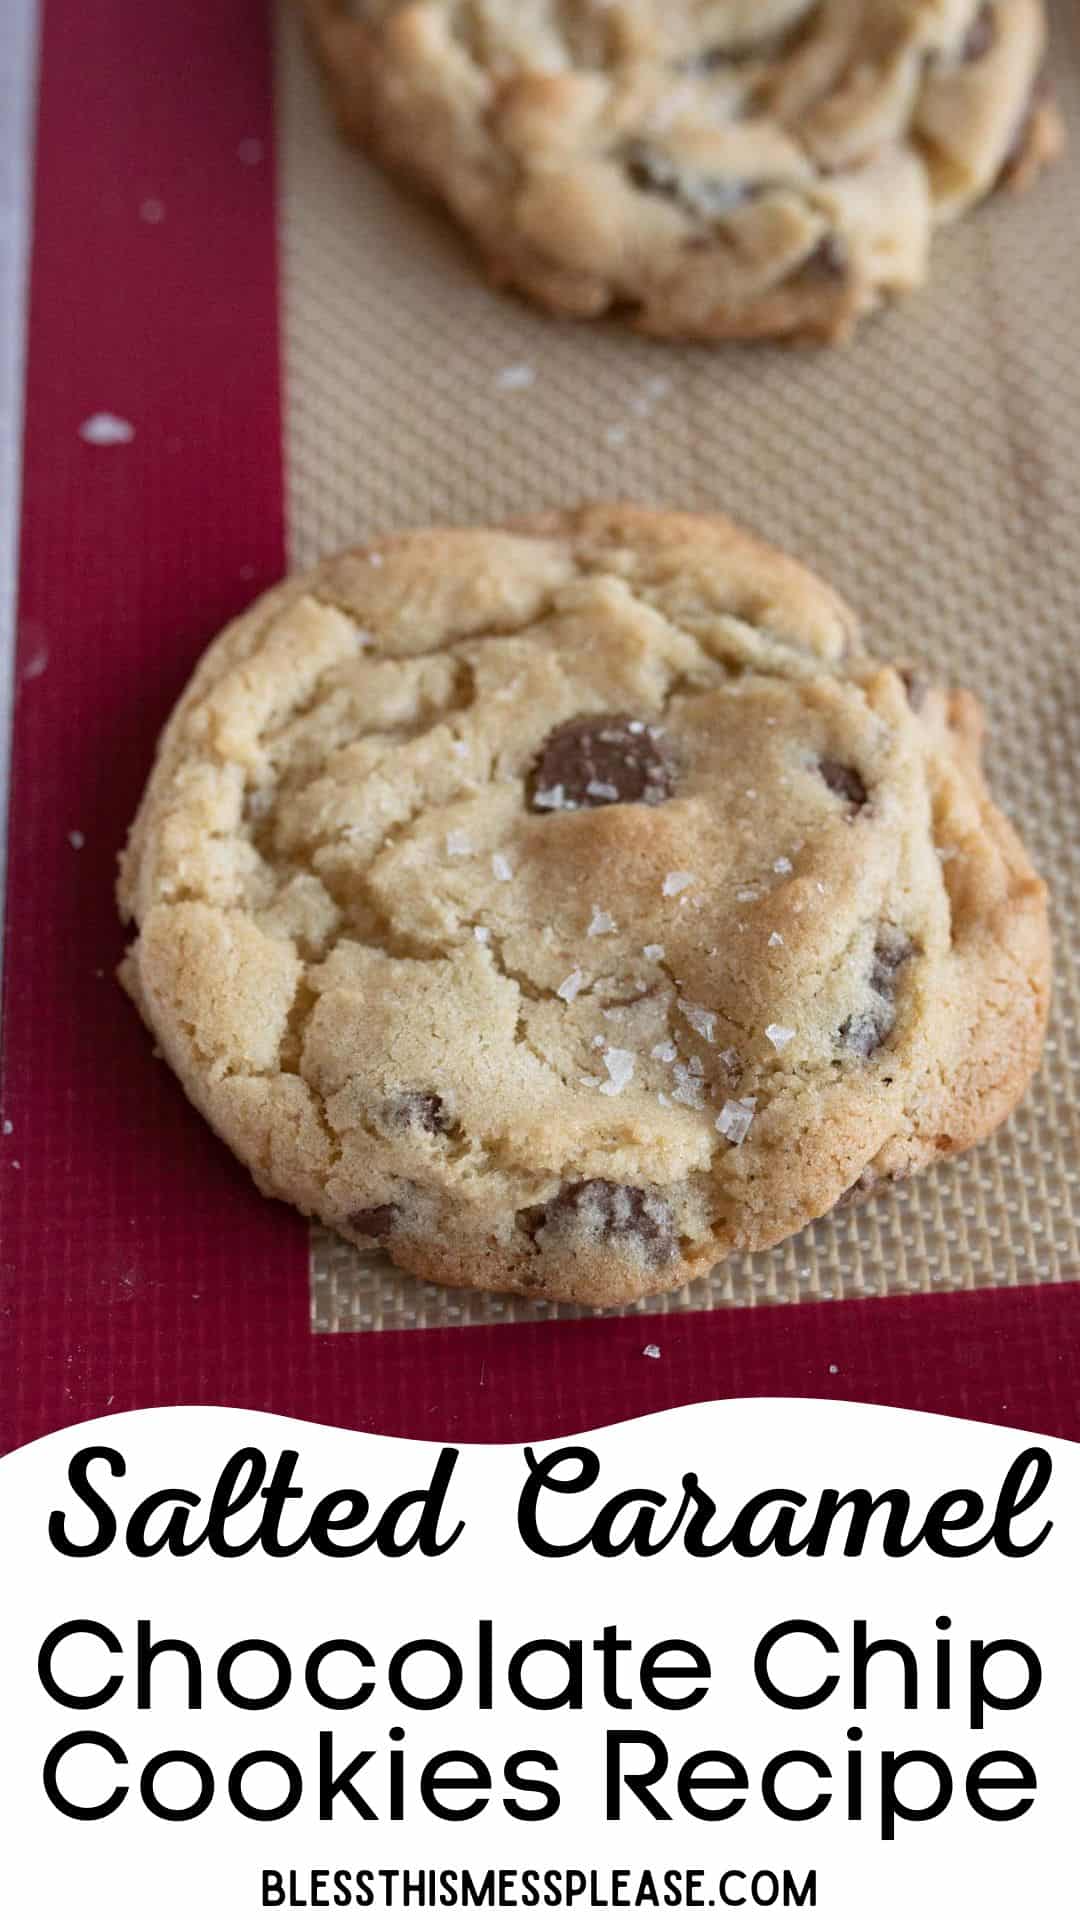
{"x": 776, "y": 939}
{"x": 690, "y": 1085}
{"x": 735, "y": 1119}
{"x": 779, "y": 1036}
{"x": 651, "y": 1352}
{"x": 653, "y": 952}
{"x": 665, "y": 1050}
{"x": 620, "y": 1070}
{"x": 677, "y": 883}
{"x": 783, "y": 865}
{"x": 571, "y": 986}
{"x": 551, "y": 800}
{"x": 700, "y": 1019}
{"x": 500, "y": 867}
{"x": 601, "y": 922}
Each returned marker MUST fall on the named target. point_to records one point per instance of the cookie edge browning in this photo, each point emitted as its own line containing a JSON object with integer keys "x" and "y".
{"x": 1006, "y": 1043}
{"x": 810, "y": 310}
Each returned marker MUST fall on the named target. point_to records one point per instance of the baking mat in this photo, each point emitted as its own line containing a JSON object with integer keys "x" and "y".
{"x": 139, "y": 1267}
{"x": 930, "y": 471}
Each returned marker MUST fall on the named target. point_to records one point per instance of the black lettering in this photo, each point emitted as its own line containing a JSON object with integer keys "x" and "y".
{"x": 79, "y": 1702}
{"x": 293, "y": 1794}
{"x": 52, "y": 1767}
{"x": 177, "y": 1758}
{"x": 332, "y": 1785}
{"x": 99, "y": 1509}
{"x": 983, "y": 1696}
{"x": 425, "y": 1703}
{"x": 697, "y": 1777}
{"x": 657, "y": 1677}
{"x": 543, "y": 1477}
{"x": 766, "y": 1646}
{"x": 771, "y": 1775}
{"x": 516, "y": 1777}
{"x": 892, "y": 1807}
{"x": 980, "y": 1782}
{"x": 433, "y": 1785}
{"x": 638, "y": 1783}
{"x": 313, "y": 1675}
{"x": 148, "y": 1650}
{"x": 1023, "y": 1487}
{"x": 260, "y": 1702}
{"x": 864, "y": 1650}
{"x": 796, "y": 1896}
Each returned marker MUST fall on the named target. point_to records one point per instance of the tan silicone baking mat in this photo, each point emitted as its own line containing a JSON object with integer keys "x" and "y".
{"x": 931, "y": 471}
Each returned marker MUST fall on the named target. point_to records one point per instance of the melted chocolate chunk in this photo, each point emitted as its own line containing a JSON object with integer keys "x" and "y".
{"x": 981, "y": 36}
{"x": 599, "y": 1209}
{"x": 864, "y": 1033}
{"x": 423, "y": 1110}
{"x": 598, "y": 760}
{"x": 845, "y": 781}
{"x": 378, "y": 1223}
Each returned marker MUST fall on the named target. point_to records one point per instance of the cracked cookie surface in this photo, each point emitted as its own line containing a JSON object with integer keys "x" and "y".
{"x": 566, "y": 905}
{"x": 707, "y": 168}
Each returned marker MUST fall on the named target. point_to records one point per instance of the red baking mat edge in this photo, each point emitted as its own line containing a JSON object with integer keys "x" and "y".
{"x": 137, "y": 1265}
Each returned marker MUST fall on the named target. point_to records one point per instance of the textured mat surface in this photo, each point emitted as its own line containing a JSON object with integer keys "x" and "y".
{"x": 930, "y": 471}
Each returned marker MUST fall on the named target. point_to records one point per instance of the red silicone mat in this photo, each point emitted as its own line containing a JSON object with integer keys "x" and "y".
{"x": 138, "y": 1266}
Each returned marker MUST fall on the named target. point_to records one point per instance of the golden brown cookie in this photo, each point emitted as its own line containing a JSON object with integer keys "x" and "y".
{"x": 711, "y": 169}
{"x": 566, "y": 905}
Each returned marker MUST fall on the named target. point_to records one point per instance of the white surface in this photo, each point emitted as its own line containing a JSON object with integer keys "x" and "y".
{"x": 132, "y": 1863}
{"x": 18, "y": 47}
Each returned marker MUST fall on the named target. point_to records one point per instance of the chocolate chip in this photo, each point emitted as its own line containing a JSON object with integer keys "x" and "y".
{"x": 890, "y": 954}
{"x": 599, "y": 759}
{"x": 599, "y": 1209}
{"x": 845, "y": 781}
{"x": 422, "y": 1110}
{"x": 865, "y": 1032}
{"x": 377, "y": 1223}
{"x": 830, "y": 260}
{"x": 980, "y": 37}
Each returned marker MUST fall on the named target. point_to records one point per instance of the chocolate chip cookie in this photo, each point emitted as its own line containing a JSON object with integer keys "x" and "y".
{"x": 710, "y": 169}
{"x": 563, "y": 906}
